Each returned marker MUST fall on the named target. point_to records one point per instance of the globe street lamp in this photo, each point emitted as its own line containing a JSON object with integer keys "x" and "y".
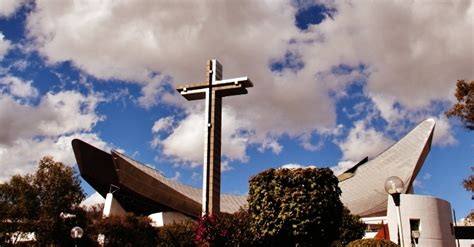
{"x": 394, "y": 186}
{"x": 76, "y": 233}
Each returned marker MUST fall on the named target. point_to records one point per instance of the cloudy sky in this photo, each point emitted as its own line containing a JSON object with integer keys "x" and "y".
{"x": 335, "y": 81}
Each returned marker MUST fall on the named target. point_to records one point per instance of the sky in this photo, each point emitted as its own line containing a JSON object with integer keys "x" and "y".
{"x": 334, "y": 81}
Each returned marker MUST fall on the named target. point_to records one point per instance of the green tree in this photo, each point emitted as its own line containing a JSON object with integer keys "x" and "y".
{"x": 464, "y": 108}
{"x": 18, "y": 208}
{"x": 59, "y": 191}
{"x": 295, "y": 206}
{"x": 44, "y": 203}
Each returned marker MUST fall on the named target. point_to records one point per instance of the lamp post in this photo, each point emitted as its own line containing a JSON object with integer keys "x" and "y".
{"x": 394, "y": 186}
{"x": 76, "y": 233}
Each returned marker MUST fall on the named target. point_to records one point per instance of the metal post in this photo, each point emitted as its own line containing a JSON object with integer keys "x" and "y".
{"x": 400, "y": 229}
{"x": 456, "y": 224}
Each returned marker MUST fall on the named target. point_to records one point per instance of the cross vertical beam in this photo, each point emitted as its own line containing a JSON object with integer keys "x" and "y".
{"x": 212, "y": 90}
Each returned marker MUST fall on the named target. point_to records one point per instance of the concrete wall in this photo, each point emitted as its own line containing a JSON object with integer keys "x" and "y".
{"x": 112, "y": 206}
{"x": 435, "y": 220}
{"x": 165, "y": 218}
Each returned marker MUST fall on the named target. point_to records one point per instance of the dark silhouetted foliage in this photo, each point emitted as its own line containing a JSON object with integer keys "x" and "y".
{"x": 44, "y": 203}
{"x": 128, "y": 230}
{"x": 372, "y": 243}
{"x": 352, "y": 228}
{"x": 177, "y": 234}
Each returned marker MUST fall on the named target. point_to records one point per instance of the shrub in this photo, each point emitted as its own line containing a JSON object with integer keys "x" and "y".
{"x": 372, "y": 243}
{"x": 295, "y": 206}
{"x": 177, "y": 234}
{"x": 128, "y": 230}
{"x": 352, "y": 227}
{"x": 225, "y": 229}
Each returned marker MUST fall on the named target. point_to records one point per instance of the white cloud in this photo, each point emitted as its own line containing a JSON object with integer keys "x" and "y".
{"x": 17, "y": 87}
{"x": 225, "y": 166}
{"x": 363, "y": 141}
{"x": 22, "y": 156}
{"x": 163, "y": 124}
{"x": 413, "y": 53}
{"x": 9, "y": 7}
{"x": 185, "y": 141}
{"x": 292, "y": 166}
{"x": 60, "y": 113}
{"x": 420, "y": 182}
{"x": 295, "y": 166}
{"x": 30, "y": 132}
{"x": 176, "y": 176}
{"x": 152, "y": 92}
{"x": 271, "y": 144}
{"x": 404, "y": 44}
{"x": 5, "y": 45}
{"x": 146, "y": 41}
{"x": 342, "y": 166}
{"x": 442, "y": 133}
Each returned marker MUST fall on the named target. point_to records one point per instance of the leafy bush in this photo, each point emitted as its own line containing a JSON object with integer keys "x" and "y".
{"x": 295, "y": 206}
{"x": 128, "y": 230}
{"x": 224, "y": 229}
{"x": 177, "y": 234}
{"x": 352, "y": 227}
{"x": 372, "y": 243}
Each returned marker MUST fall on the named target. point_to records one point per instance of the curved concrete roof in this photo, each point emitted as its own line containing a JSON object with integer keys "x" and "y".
{"x": 364, "y": 192}
{"x": 144, "y": 190}
{"x": 139, "y": 188}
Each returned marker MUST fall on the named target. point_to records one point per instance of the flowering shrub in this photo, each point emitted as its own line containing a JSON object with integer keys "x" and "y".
{"x": 224, "y": 229}
{"x": 213, "y": 229}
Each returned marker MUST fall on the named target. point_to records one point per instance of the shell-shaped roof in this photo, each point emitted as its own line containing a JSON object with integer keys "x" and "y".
{"x": 364, "y": 192}
{"x": 229, "y": 203}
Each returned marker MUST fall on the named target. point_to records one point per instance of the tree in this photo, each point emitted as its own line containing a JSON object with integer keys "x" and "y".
{"x": 59, "y": 191}
{"x": 468, "y": 183}
{"x": 295, "y": 206}
{"x": 18, "y": 206}
{"x": 464, "y": 108}
{"x": 44, "y": 203}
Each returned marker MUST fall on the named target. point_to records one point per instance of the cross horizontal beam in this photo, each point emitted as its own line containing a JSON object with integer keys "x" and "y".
{"x": 227, "y": 87}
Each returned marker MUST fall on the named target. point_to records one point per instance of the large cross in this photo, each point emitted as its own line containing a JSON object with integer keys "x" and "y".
{"x": 212, "y": 90}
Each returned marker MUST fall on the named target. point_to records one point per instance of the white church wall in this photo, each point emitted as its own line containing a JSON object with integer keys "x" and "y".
{"x": 112, "y": 206}
{"x": 164, "y": 218}
{"x": 434, "y": 218}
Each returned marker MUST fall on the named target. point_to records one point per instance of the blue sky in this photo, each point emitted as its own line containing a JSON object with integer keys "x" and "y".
{"x": 335, "y": 81}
